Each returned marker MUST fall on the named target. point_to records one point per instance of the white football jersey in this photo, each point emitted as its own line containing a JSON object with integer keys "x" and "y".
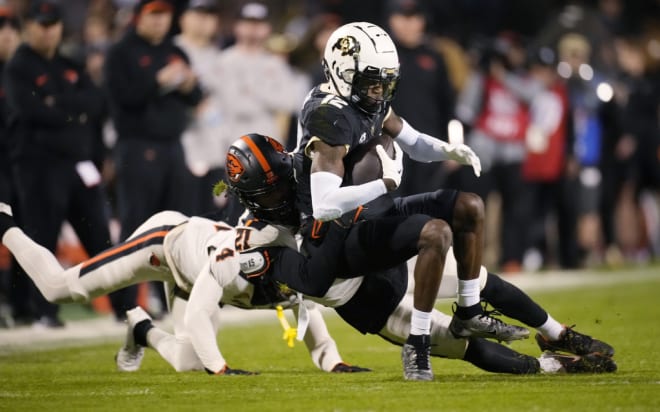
{"x": 202, "y": 244}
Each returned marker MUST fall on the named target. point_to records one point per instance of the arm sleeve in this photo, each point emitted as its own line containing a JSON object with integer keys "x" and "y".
{"x": 419, "y": 146}
{"x": 330, "y": 200}
{"x": 202, "y": 304}
{"x": 309, "y": 275}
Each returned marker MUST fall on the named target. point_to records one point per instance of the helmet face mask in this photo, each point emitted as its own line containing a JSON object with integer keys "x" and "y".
{"x": 373, "y": 88}
{"x": 260, "y": 174}
{"x": 357, "y": 57}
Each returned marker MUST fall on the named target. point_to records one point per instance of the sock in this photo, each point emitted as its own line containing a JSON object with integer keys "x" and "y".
{"x": 551, "y": 329}
{"x": 512, "y": 302}
{"x": 468, "y": 312}
{"x": 493, "y": 357}
{"x": 140, "y": 332}
{"x": 468, "y": 292}
{"x": 420, "y": 323}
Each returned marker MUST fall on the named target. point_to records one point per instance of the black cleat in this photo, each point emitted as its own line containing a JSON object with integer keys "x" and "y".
{"x": 575, "y": 342}
{"x": 416, "y": 358}
{"x": 486, "y": 326}
{"x": 342, "y": 367}
{"x": 590, "y": 363}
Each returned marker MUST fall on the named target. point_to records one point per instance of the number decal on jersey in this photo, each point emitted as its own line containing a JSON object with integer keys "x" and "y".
{"x": 335, "y": 101}
{"x": 224, "y": 254}
{"x": 242, "y": 238}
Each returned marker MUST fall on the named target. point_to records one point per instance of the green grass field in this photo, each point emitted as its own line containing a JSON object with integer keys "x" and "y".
{"x": 84, "y": 378}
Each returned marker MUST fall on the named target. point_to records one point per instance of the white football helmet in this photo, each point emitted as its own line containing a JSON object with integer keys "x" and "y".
{"x": 358, "y": 56}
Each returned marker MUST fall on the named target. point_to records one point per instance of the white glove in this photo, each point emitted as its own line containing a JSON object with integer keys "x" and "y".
{"x": 463, "y": 155}
{"x": 392, "y": 168}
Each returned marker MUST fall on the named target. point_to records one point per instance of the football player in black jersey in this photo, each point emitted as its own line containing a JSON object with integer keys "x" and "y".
{"x": 353, "y": 107}
{"x": 260, "y": 173}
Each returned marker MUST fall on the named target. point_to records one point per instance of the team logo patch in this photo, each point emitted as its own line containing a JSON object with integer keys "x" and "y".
{"x": 234, "y": 168}
{"x": 347, "y": 45}
{"x": 144, "y": 61}
{"x": 41, "y": 80}
{"x": 71, "y": 76}
{"x": 276, "y": 145}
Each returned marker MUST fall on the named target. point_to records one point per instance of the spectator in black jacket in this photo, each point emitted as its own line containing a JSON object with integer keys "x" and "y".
{"x": 52, "y": 105}
{"x": 425, "y": 97}
{"x": 152, "y": 92}
{"x": 13, "y": 302}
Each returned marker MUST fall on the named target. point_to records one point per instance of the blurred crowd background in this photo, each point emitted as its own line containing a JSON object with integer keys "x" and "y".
{"x": 559, "y": 98}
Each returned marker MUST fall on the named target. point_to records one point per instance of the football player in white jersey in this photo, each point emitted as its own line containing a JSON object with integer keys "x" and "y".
{"x": 199, "y": 260}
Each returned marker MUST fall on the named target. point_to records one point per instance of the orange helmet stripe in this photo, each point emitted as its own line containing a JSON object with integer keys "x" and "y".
{"x": 259, "y": 155}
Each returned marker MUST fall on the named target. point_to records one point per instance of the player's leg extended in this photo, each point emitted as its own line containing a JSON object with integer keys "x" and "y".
{"x": 484, "y": 354}
{"x": 124, "y": 264}
{"x": 139, "y": 258}
{"x": 514, "y": 303}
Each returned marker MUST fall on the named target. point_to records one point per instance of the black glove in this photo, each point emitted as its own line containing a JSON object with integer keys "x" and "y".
{"x": 342, "y": 367}
{"x": 229, "y": 371}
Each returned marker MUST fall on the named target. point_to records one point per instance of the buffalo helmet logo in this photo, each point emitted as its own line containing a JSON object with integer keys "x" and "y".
{"x": 348, "y": 46}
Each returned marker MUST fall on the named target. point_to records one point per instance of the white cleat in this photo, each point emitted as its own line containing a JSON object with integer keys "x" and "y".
{"x": 129, "y": 357}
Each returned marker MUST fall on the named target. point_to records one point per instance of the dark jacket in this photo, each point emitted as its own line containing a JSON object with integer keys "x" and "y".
{"x": 61, "y": 129}
{"x": 139, "y": 109}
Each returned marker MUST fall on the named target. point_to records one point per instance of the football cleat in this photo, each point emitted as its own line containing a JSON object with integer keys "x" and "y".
{"x": 486, "y": 326}
{"x": 590, "y": 363}
{"x": 416, "y": 357}
{"x": 229, "y": 371}
{"x": 342, "y": 367}
{"x": 574, "y": 342}
{"x": 129, "y": 357}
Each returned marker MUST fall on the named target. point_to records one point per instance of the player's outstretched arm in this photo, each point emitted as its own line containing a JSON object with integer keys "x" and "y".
{"x": 424, "y": 148}
{"x": 203, "y": 301}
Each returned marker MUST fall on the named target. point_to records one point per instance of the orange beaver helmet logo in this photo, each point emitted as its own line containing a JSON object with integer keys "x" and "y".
{"x": 234, "y": 168}
{"x": 276, "y": 145}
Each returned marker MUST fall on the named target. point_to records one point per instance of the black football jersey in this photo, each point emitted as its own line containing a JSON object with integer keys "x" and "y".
{"x": 334, "y": 121}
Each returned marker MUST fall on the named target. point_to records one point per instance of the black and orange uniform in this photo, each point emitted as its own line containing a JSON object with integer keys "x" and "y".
{"x": 151, "y": 170}
{"x": 150, "y": 165}
{"x": 52, "y": 105}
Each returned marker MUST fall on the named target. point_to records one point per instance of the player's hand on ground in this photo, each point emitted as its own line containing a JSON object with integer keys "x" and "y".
{"x": 342, "y": 367}
{"x": 463, "y": 155}
{"x": 392, "y": 167}
{"x": 229, "y": 371}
